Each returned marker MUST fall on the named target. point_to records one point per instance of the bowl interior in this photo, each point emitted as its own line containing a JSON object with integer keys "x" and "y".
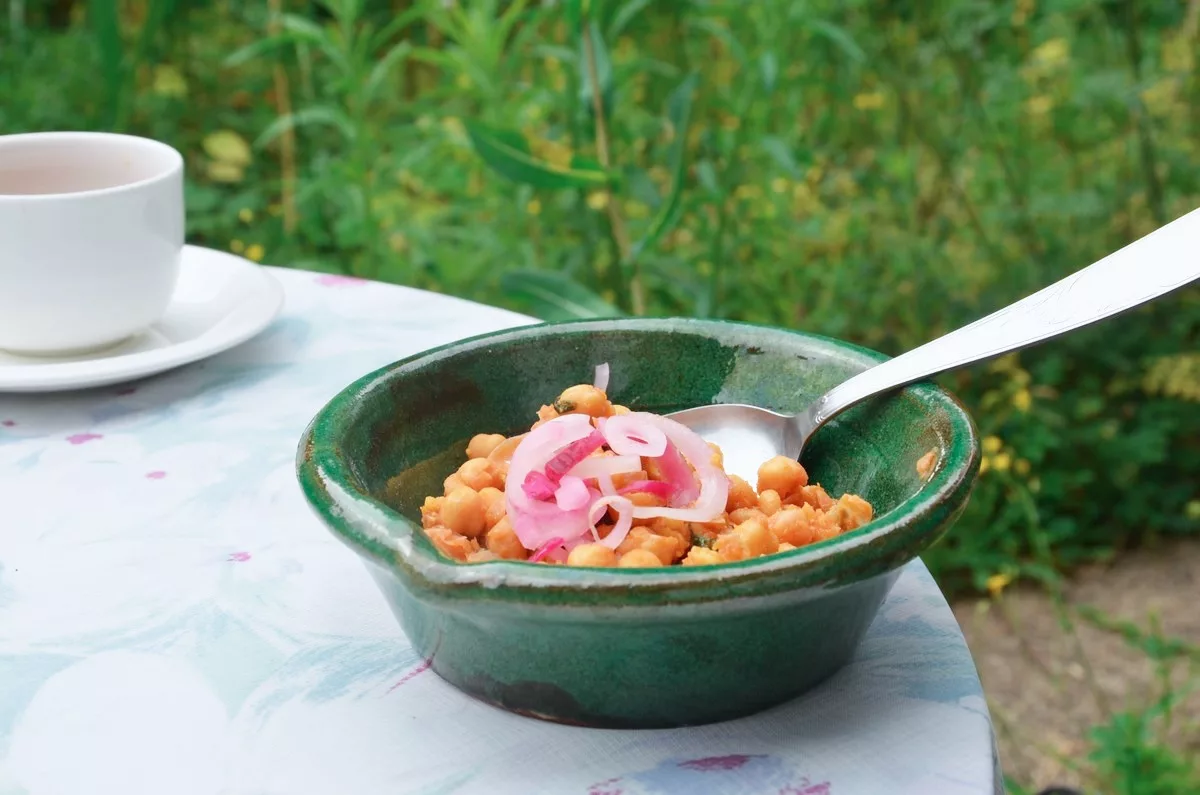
{"x": 400, "y": 431}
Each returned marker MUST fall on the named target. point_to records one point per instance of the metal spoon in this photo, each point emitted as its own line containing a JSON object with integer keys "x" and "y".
{"x": 1155, "y": 265}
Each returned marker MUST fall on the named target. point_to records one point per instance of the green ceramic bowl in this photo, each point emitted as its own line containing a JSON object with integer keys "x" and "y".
{"x": 632, "y": 647}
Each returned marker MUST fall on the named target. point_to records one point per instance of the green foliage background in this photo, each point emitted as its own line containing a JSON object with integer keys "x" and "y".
{"x": 878, "y": 171}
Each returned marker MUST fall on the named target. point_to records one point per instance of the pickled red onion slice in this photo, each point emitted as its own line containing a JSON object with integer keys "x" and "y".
{"x": 714, "y": 483}
{"x": 572, "y": 454}
{"x": 656, "y": 487}
{"x": 628, "y": 434}
{"x": 595, "y": 466}
{"x": 679, "y": 474}
{"x": 545, "y": 549}
{"x": 601, "y": 379}
{"x": 535, "y": 521}
{"x": 572, "y": 494}
{"x": 624, "y": 510}
{"x": 537, "y": 486}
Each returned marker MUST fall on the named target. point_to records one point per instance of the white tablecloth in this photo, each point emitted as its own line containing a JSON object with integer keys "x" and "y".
{"x": 174, "y": 620}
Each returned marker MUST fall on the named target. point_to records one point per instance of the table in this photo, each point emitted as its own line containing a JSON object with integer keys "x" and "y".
{"x": 173, "y": 619}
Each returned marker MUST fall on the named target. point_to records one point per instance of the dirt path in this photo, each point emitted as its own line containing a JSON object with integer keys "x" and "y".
{"x": 1047, "y": 686}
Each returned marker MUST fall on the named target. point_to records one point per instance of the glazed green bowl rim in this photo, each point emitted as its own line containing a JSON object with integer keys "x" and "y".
{"x": 381, "y": 533}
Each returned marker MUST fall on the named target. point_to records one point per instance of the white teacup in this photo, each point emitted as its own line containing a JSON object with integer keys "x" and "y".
{"x": 91, "y": 232}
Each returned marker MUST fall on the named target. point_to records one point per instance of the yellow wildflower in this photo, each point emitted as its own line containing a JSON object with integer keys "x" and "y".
{"x": 992, "y": 445}
{"x": 779, "y": 185}
{"x": 245, "y": 215}
{"x": 636, "y": 210}
{"x": 1001, "y": 462}
{"x": 255, "y": 252}
{"x": 533, "y": 207}
{"x": 1021, "y": 467}
{"x": 226, "y": 146}
{"x": 169, "y": 82}
{"x": 237, "y": 246}
{"x": 1051, "y": 53}
{"x": 1022, "y": 400}
{"x": 1039, "y": 105}
{"x": 597, "y": 199}
{"x": 997, "y": 583}
{"x": 454, "y": 126}
{"x": 869, "y": 100}
{"x": 985, "y": 464}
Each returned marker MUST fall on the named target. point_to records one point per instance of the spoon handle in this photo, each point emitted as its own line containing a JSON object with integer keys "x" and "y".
{"x": 1154, "y": 265}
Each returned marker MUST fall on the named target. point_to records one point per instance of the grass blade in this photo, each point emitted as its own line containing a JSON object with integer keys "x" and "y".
{"x": 555, "y": 296}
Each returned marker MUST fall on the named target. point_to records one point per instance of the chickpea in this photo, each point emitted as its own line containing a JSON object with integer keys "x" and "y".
{"x": 828, "y": 526}
{"x": 745, "y": 515}
{"x": 502, "y": 540}
{"x": 619, "y": 410}
{"x": 757, "y": 540}
{"x": 700, "y": 556}
{"x": 639, "y": 559}
{"x": 795, "y": 525}
{"x": 481, "y": 556}
{"x": 476, "y": 473}
{"x": 741, "y": 495}
{"x": 665, "y": 548}
{"x": 812, "y": 495}
{"x": 463, "y": 512}
{"x": 676, "y": 529}
{"x": 644, "y": 499}
{"x": 431, "y": 511}
{"x": 482, "y": 444}
{"x": 769, "y": 502}
{"x": 718, "y": 458}
{"x": 592, "y": 555}
{"x": 851, "y": 512}
{"x": 782, "y": 474}
{"x": 583, "y": 399}
{"x": 926, "y": 464}
{"x": 451, "y": 483}
{"x": 451, "y": 544}
{"x": 494, "y": 508}
{"x": 730, "y": 548}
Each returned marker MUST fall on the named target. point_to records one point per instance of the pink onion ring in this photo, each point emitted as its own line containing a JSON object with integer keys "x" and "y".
{"x": 625, "y": 511}
{"x": 601, "y": 379}
{"x": 628, "y": 434}
{"x": 714, "y": 483}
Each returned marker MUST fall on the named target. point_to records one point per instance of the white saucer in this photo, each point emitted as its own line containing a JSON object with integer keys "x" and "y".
{"x": 221, "y": 300}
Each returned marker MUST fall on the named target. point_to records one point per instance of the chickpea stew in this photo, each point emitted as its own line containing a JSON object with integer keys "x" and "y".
{"x": 595, "y": 484}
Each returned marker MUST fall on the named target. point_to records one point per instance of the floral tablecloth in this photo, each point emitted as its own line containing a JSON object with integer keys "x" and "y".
{"x": 174, "y": 621}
